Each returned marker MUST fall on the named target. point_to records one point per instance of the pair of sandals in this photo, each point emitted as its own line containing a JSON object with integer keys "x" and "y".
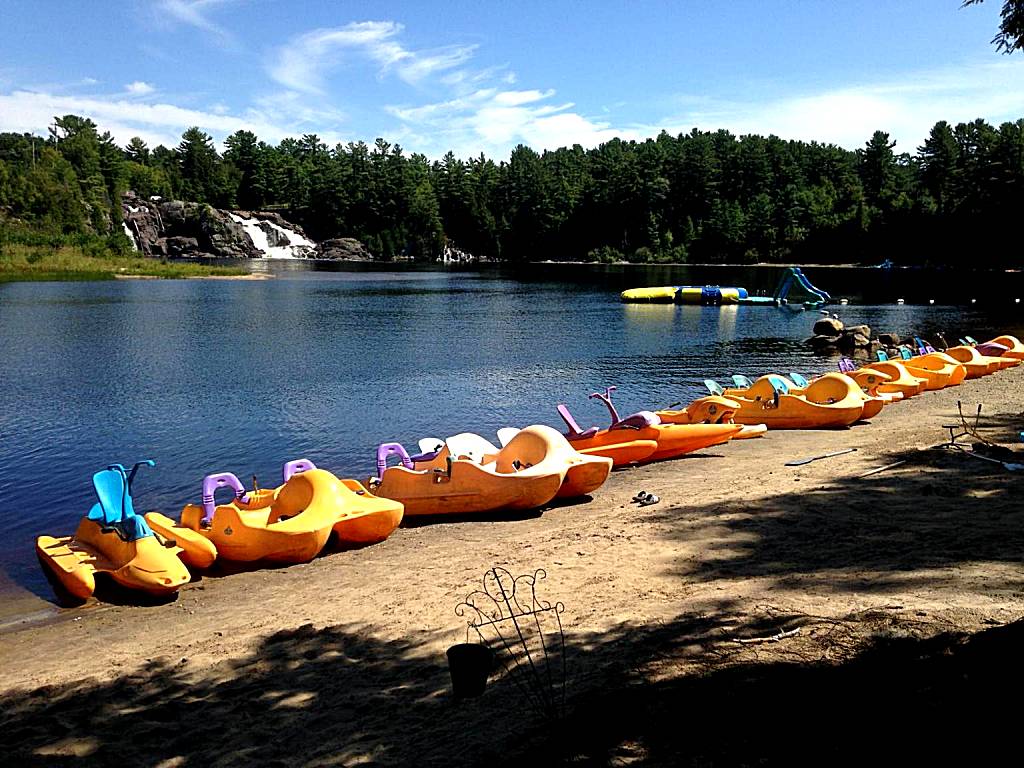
{"x": 645, "y": 499}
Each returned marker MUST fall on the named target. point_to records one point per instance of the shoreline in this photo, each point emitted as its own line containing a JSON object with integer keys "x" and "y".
{"x": 739, "y": 541}
{"x": 770, "y": 265}
{"x": 249, "y": 276}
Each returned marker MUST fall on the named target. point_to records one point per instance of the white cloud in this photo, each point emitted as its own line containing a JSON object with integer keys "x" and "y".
{"x": 194, "y": 14}
{"x": 163, "y": 123}
{"x": 493, "y": 122}
{"x": 139, "y": 88}
{"x": 303, "y": 63}
{"x": 515, "y": 98}
{"x": 906, "y": 108}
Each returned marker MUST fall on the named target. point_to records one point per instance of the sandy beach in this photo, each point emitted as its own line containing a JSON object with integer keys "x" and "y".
{"x": 881, "y": 612}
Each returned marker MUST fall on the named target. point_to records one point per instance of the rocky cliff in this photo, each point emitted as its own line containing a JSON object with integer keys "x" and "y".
{"x": 179, "y": 229}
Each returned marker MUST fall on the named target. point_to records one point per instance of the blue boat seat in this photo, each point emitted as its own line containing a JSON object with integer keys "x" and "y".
{"x": 115, "y": 508}
{"x": 714, "y": 387}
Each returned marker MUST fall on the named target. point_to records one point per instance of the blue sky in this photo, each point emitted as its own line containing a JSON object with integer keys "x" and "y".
{"x": 483, "y": 76}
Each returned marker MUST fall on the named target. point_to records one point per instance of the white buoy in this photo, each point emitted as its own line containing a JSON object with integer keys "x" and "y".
{"x": 974, "y": 301}
{"x": 931, "y": 301}
{"x": 1016, "y": 301}
{"x": 899, "y": 301}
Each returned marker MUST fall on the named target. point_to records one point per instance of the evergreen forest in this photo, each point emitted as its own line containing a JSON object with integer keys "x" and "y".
{"x": 709, "y": 197}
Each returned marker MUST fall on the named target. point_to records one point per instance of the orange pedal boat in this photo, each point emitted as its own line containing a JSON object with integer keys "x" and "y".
{"x": 584, "y": 475}
{"x": 671, "y": 440}
{"x": 289, "y": 524}
{"x": 871, "y": 382}
{"x": 526, "y": 473}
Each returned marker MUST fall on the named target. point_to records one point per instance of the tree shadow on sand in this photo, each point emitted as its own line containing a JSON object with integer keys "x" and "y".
{"x": 879, "y": 687}
{"x": 680, "y": 693}
{"x": 900, "y": 699}
{"x": 865, "y": 534}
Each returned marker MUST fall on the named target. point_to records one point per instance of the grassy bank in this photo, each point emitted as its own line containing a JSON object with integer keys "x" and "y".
{"x": 19, "y": 262}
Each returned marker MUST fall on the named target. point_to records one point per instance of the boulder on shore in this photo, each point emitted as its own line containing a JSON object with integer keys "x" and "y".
{"x": 828, "y": 326}
{"x": 343, "y": 249}
{"x": 828, "y": 336}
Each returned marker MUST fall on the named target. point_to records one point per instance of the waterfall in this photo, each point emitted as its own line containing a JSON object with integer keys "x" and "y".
{"x": 130, "y": 234}
{"x": 298, "y": 247}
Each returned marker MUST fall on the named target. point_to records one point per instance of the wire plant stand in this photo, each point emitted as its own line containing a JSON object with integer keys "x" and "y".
{"x": 524, "y": 632}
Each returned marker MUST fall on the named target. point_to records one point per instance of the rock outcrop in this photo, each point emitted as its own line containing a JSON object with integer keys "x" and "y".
{"x": 343, "y": 249}
{"x": 182, "y": 229}
{"x": 179, "y": 229}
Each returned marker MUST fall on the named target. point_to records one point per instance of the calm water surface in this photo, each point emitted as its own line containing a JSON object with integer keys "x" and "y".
{"x": 240, "y": 376}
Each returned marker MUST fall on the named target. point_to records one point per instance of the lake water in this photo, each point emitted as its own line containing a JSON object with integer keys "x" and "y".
{"x": 326, "y": 362}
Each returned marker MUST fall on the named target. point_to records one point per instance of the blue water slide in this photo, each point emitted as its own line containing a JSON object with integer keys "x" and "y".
{"x": 801, "y": 278}
{"x": 795, "y": 276}
{"x": 785, "y": 283}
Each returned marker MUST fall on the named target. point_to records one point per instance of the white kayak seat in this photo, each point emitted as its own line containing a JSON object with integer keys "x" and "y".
{"x": 430, "y": 444}
{"x": 505, "y": 435}
{"x": 471, "y": 446}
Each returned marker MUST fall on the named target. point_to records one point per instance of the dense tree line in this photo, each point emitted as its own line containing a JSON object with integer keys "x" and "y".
{"x": 699, "y": 196}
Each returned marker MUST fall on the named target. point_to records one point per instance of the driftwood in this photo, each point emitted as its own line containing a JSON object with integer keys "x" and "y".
{"x": 876, "y": 470}
{"x": 771, "y": 639}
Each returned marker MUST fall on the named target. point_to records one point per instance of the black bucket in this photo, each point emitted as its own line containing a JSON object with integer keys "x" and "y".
{"x": 469, "y": 664}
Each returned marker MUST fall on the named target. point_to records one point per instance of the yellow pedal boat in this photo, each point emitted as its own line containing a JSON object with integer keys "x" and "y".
{"x": 872, "y": 381}
{"x": 289, "y": 524}
{"x": 995, "y": 354}
{"x": 937, "y": 369}
{"x": 977, "y": 364}
{"x": 829, "y": 402}
{"x": 833, "y": 387}
{"x": 525, "y": 474}
{"x": 910, "y": 381}
{"x": 713, "y": 409}
{"x": 113, "y": 539}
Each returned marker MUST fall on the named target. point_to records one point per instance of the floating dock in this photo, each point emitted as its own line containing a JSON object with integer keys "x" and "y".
{"x": 713, "y": 295}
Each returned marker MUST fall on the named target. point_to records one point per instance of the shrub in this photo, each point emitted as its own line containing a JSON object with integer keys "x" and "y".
{"x": 605, "y": 255}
